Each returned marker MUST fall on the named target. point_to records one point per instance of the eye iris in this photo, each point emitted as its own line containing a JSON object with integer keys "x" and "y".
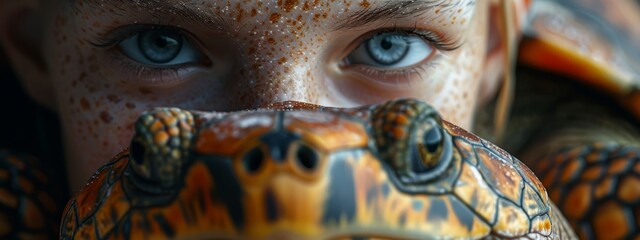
{"x": 160, "y": 46}
{"x": 388, "y": 48}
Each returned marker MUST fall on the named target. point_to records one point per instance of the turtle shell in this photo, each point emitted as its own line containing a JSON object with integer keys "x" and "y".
{"x": 391, "y": 171}
{"x": 594, "y": 42}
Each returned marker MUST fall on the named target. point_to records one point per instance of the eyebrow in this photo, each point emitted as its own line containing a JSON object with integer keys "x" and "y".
{"x": 160, "y": 9}
{"x": 396, "y": 9}
{"x": 390, "y": 9}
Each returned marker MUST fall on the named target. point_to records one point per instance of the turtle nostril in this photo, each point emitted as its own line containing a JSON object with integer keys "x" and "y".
{"x": 307, "y": 157}
{"x": 253, "y": 160}
{"x": 137, "y": 152}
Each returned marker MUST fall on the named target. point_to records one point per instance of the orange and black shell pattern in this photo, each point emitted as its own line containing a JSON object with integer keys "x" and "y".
{"x": 391, "y": 171}
{"x": 28, "y": 210}
{"x": 597, "y": 188}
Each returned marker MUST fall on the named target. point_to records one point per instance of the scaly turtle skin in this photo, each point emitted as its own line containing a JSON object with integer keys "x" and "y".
{"x": 576, "y": 115}
{"x": 28, "y": 204}
{"x": 583, "y": 150}
{"x": 393, "y": 171}
{"x": 569, "y": 38}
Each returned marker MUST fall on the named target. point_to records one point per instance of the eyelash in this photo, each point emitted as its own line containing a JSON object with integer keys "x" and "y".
{"x": 408, "y": 75}
{"x": 400, "y": 76}
{"x": 145, "y": 74}
{"x": 437, "y": 40}
{"x": 167, "y": 75}
{"x": 118, "y": 35}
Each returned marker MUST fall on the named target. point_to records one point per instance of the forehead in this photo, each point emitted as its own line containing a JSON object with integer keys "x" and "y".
{"x": 340, "y": 13}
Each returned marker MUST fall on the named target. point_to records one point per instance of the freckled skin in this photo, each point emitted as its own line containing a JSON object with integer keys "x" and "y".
{"x": 268, "y": 51}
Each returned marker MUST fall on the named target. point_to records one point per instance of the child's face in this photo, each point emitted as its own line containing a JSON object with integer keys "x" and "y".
{"x": 110, "y": 60}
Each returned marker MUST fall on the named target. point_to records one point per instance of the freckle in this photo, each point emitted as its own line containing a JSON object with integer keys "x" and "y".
{"x": 114, "y": 98}
{"x": 254, "y": 12}
{"x": 84, "y": 104}
{"x": 274, "y": 17}
{"x": 106, "y": 117}
{"x": 364, "y": 4}
{"x": 271, "y": 41}
{"x": 67, "y": 58}
{"x": 130, "y": 105}
{"x": 71, "y": 100}
{"x": 289, "y": 5}
{"x": 144, "y": 90}
{"x": 240, "y": 12}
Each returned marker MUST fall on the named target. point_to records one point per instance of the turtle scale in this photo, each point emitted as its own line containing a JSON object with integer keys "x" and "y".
{"x": 349, "y": 190}
{"x": 30, "y": 209}
{"x": 604, "y": 206}
{"x": 564, "y": 37}
{"x": 576, "y": 105}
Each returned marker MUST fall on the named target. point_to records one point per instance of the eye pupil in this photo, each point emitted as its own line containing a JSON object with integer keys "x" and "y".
{"x": 388, "y": 48}
{"x": 386, "y": 44}
{"x": 432, "y": 140}
{"x": 162, "y": 42}
{"x": 160, "y": 46}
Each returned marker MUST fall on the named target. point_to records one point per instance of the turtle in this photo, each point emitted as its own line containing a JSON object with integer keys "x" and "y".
{"x": 391, "y": 171}
{"x": 575, "y": 114}
{"x": 591, "y": 175}
{"x": 29, "y": 203}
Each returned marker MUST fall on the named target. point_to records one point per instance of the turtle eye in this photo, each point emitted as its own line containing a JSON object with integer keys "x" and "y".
{"x": 159, "y": 148}
{"x": 410, "y": 139}
{"x": 427, "y": 147}
{"x": 432, "y": 140}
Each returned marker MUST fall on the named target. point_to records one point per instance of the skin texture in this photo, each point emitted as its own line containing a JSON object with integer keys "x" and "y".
{"x": 253, "y": 53}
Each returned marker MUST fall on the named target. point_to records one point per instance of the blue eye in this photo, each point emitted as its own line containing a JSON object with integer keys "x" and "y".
{"x": 391, "y": 50}
{"x": 159, "y": 47}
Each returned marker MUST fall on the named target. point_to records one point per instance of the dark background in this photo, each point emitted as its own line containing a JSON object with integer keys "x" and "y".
{"x": 28, "y": 128}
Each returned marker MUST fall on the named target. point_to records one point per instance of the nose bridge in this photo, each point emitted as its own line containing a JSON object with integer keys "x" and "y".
{"x": 279, "y": 65}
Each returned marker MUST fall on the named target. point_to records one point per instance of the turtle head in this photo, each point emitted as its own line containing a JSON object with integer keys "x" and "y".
{"x": 159, "y": 150}
{"x": 393, "y": 171}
